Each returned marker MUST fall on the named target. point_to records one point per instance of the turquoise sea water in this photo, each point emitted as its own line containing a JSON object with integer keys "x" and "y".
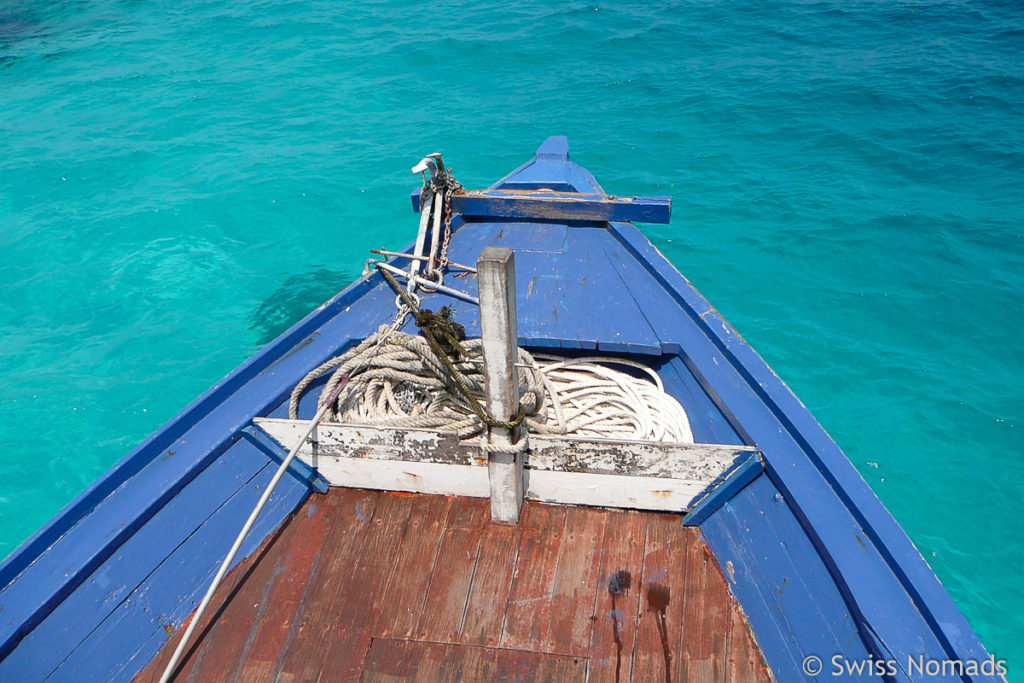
{"x": 181, "y": 181}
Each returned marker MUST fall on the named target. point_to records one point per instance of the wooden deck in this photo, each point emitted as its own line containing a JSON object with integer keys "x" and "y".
{"x": 388, "y": 587}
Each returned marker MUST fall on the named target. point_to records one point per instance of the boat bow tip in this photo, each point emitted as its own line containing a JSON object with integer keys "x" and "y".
{"x": 555, "y": 148}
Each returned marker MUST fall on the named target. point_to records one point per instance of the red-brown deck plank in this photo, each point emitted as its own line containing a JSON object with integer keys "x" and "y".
{"x": 369, "y": 563}
{"x": 445, "y": 604}
{"x": 301, "y": 559}
{"x": 492, "y": 582}
{"x": 396, "y": 587}
{"x": 408, "y": 660}
{"x": 618, "y": 597}
{"x": 224, "y": 649}
{"x": 745, "y": 662}
{"x": 390, "y": 659}
{"x": 398, "y": 607}
{"x": 573, "y": 593}
{"x": 706, "y": 619}
{"x": 528, "y": 613}
{"x": 660, "y": 619}
{"x": 315, "y": 616}
{"x": 231, "y": 656}
{"x": 237, "y": 581}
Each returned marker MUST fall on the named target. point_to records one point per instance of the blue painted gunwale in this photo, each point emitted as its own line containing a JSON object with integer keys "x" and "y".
{"x": 899, "y": 604}
{"x": 847, "y": 575}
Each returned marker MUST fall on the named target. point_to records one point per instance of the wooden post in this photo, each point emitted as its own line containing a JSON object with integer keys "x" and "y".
{"x": 496, "y": 277}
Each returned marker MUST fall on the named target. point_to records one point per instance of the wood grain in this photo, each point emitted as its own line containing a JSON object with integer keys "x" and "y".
{"x": 745, "y": 660}
{"x": 528, "y": 612}
{"x": 576, "y": 582}
{"x": 492, "y": 583}
{"x": 618, "y": 597}
{"x": 315, "y": 616}
{"x": 397, "y": 609}
{"x": 405, "y": 660}
{"x": 706, "y": 614}
{"x": 406, "y": 587}
{"x": 656, "y": 653}
{"x": 445, "y": 603}
{"x": 302, "y": 557}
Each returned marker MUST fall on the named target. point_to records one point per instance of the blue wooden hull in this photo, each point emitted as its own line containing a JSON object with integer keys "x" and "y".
{"x": 818, "y": 564}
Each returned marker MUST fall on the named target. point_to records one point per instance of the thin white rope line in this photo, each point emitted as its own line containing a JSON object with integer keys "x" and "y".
{"x": 556, "y": 401}
{"x": 240, "y": 538}
{"x": 171, "y": 665}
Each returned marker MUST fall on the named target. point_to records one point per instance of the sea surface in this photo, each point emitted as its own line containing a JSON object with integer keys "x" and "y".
{"x": 180, "y": 181}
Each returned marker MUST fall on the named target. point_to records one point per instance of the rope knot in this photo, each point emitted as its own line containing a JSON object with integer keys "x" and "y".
{"x": 447, "y": 332}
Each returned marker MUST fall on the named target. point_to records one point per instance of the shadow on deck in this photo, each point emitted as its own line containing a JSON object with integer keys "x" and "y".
{"x": 389, "y": 587}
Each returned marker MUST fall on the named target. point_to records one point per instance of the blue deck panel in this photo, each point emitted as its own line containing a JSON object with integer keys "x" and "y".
{"x": 555, "y": 294}
{"x": 813, "y": 557}
{"x": 544, "y": 237}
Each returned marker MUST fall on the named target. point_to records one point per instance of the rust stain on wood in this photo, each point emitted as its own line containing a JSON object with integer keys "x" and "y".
{"x": 611, "y": 642}
{"x": 378, "y": 586}
{"x": 658, "y": 599}
{"x": 617, "y": 585}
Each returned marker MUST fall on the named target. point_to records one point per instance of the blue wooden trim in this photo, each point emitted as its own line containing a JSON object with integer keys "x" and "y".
{"x": 790, "y": 599}
{"x": 126, "y": 639}
{"x": 549, "y": 169}
{"x": 298, "y": 468}
{"x": 555, "y": 148}
{"x": 740, "y": 473}
{"x": 863, "y": 588}
{"x": 118, "y": 578}
{"x": 48, "y": 567}
{"x": 542, "y": 205}
{"x": 707, "y": 421}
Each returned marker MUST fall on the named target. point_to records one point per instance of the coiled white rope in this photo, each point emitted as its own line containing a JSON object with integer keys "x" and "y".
{"x": 589, "y": 397}
{"x": 406, "y": 386}
{"x": 394, "y": 379}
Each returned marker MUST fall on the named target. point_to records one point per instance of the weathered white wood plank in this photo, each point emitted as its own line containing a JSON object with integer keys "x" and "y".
{"x": 365, "y": 441}
{"x": 496, "y": 278}
{"x": 398, "y": 475}
{"x": 696, "y": 461}
{"x": 600, "y": 472}
{"x": 610, "y": 490}
{"x": 598, "y": 456}
{"x": 692, "y": 461}
{"x": 573, "y": 488}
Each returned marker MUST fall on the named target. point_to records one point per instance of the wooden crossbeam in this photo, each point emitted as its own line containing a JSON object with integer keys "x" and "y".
{"x": 558, "y": 206}
{"x": 601, "y": 472}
